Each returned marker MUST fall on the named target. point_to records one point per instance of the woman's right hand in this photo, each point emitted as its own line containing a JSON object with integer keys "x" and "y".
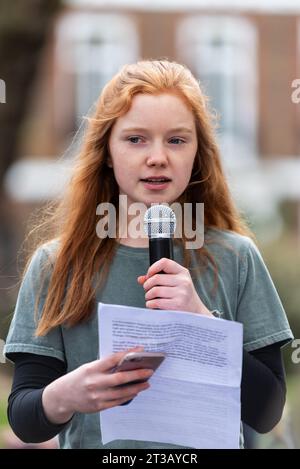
{"x": 92, "y": 387}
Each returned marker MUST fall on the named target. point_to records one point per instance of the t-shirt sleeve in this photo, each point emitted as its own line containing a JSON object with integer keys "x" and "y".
{"x": 21, "y": 335}
{"x": 259, "y": 306}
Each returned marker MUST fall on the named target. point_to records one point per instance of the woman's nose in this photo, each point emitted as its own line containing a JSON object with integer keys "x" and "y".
{"x": 157, "y": 156}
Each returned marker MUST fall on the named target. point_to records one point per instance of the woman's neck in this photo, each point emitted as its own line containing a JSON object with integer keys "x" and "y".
{"x": 134, "y": 242}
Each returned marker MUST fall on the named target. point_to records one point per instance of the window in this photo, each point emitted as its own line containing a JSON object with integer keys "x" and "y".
{"x": 90, "y": 49}
{"x": 221, "y": 51}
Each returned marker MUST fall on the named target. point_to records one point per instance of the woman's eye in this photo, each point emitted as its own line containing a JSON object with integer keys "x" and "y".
{"x": 174, "y": 140}
{"x": 177, "y": 140}
{"x": 134, "y": 139}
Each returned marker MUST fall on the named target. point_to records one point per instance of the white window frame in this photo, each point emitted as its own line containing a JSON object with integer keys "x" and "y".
{"x": 225, "y": 46}
{"x": 90, "y": 48}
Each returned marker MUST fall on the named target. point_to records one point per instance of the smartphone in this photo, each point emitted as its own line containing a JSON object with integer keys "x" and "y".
{"x": 139, "y": 360}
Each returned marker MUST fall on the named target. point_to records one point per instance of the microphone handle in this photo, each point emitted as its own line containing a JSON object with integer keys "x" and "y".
{"x": 159, "y": 248}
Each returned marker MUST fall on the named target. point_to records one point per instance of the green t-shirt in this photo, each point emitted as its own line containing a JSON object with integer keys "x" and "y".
{"x": 245, "y": 293}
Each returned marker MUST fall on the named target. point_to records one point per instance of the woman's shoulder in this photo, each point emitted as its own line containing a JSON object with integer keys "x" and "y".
{"x": 228, "y": 241}
{"x": 45, "y": 252}
{"x": 50, "y": 247}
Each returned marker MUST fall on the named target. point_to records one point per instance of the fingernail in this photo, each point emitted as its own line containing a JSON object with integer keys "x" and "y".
{"x": 146, "y": 386}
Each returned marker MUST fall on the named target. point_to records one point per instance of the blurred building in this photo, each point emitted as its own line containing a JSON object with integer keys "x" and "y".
{"x": 245, "y": 54}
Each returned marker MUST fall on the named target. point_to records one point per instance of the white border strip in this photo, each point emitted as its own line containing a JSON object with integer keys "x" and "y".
{"x": 260, "y": 6}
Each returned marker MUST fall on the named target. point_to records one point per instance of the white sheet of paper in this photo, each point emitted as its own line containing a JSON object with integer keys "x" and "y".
{"x": 194, "y": 397}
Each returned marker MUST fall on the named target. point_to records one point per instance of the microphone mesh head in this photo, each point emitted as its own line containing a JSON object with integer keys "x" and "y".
{"x": 160, "y": 222}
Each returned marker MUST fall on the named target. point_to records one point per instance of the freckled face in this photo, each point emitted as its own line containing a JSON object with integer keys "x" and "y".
{"x": 156, "y": 137}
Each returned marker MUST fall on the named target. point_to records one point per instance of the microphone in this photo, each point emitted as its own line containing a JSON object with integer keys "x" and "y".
{"x": 160, "y": 225}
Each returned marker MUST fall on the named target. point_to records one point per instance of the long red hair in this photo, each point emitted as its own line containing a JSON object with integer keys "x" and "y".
{"x": 80, "y": 252}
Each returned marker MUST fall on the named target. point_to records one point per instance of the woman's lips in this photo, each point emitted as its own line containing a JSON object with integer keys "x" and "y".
{"x": 156, "y": 186}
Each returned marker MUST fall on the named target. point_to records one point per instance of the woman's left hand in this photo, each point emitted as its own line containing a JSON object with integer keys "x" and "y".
{"x": 173, "y": 290}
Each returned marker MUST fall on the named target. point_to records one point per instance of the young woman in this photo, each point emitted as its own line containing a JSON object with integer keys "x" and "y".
{"x": 151, "y": 121}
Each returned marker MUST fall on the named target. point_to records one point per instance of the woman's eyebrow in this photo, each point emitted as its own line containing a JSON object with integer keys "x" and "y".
{"x": 144, "y": 129}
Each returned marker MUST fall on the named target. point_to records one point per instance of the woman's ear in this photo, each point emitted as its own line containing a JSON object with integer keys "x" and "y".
{"x": 109, "y": 161}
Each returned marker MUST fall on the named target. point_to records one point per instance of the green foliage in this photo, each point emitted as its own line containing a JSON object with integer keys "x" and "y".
{"x": 282, "y": 258}
{"x": 3, "y": 414}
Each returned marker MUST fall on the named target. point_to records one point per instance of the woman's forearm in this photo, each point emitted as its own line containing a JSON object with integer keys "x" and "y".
{"x": 56, "y": 406}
